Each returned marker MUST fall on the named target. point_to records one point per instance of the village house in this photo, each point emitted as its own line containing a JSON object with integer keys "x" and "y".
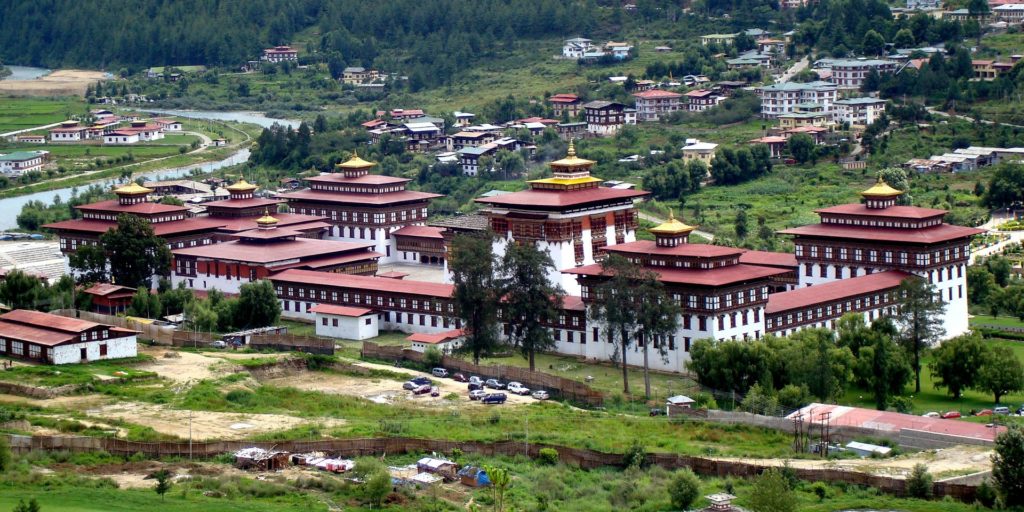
{"x": 69, "y": 131}
{"x": 168, "y": 125}
{"x": 654, "y": 104}
{"x": 1010, "y": 13}
{"x": 752, "y": 58}
{"x": 577, "y": 48}
{"x": 463, "y": 119}
{"x": 771, "y": 45}
{"x": 462, "y": 140}
{"x": 345, "y": 322}
{"x": 604, "y": 117}
{"x": 782, "y": 98}
{"x": 859, "y": 111}
{"x": 719, "y": 39}
{"x": 358, "y": 75}
{"x": 805, "y": 114}
{"x": 445, "y": 342}
{"x": 139, "y": 131}
{"x": 569, "y": 104}
{"x": 568, "y": 131}
{"x": 54, "y": 339}
{"x": 280, "y": 54}
{"x": 31, "y": 139}
{"x": 851, "y": 73}
{"x": 109, "y": 299}
{"x": 20, "y": 162}
{"x": 776, "y": 144}
{"x": 697, "y": 150}
{"x": 702, "y": 99}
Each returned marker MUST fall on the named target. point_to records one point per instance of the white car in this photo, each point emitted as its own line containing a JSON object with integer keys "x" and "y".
{"x": 477, "y": 394}
{"x": 540, "y": 394}
{"x": 518, "y": 388}
{"x": 931, "y": 415}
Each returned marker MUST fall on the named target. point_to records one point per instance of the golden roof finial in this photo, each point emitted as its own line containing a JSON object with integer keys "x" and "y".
{"x": 671, "y": 215}
{"x": 881, "y": 189}
{"x": 672, "y": 226}
{"x": 572, "y": 149}
{"x": 266, "y": 219}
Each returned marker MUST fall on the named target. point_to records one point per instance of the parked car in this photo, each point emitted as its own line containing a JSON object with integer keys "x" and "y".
{"x": 219, "y": 344}
{"x": 419, "y": 381}
{"x": 540, "y": 394}
{"x": 494, "y": 398}
{"x": 1002, "y": 409}
{"x": 657, "y": 411}
{"x": 1020, "y": 411}
{"x": 518, "y": 388}
{"x": 984, "y": 412}
{"x": 458, "y": 377}
{"x": 494, "y": 384}
{"x": 951, "y": 415}
{"x": 439, "y": 373}
{"x": 477, "y": 394}
{"x": 473, "y": 386}
{"x": 422, "y": 390}
{"x": 932, "y": 414}
{"x": 434, "y": 391}
{"x": 410, "y": 385}
{"x": 476, "y": 380}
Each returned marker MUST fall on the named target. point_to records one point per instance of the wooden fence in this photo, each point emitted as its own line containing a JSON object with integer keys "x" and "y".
{"x": 162, "y": 334}
{"x": 557, "y": 386}
{"x": 584, "y": 458}
{"x": 308, "y": 344}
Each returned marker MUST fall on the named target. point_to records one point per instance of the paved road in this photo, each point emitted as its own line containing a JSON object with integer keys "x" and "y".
{"x": 657, "y": 220}
{"x": 795, "y": 69}
{"x": 44, "y": 127}
{"x": 932, "y": 110}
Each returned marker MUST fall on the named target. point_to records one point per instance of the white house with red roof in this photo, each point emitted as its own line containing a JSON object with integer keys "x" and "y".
{"x": 138, "y": 131}
{"x": 445, "y": 342}
{"x": 345, "y": 322}
{"x": 569, "y": 215}
{"x": 281, "y": 53}
{"x": 655, "y": 103}
{"x": 54, "y": 339}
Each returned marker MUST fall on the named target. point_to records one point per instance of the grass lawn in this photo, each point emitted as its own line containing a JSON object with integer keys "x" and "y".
{"x": 47, "y": 375}
{"x": 938, "y": 400}
{"x": 181, "y": 140}
{"x": 21, "y": 113}
{"x": 1002, "y": 321}
{"x": 85, "y": 499}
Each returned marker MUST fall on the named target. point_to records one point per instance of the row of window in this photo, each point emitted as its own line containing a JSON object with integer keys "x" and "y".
{"x": 365, "y": 217}
{"x": 356, "y": 189}
{"x": 365, "y": 299}
{"x": 886, "y": 256}
{"x": 831, "y": 311}
{"x": 877, "y": 223}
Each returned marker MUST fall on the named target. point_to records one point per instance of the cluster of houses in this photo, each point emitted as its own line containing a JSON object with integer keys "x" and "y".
{"x": 20, "y": 162}
{"x": 112, "y": 129}
{"x": 965, "y": 159}
{"x": 581, "y": 48}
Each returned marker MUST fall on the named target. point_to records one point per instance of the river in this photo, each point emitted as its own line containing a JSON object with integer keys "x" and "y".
{"x": 25, "y": 73}
{"x": 11, "y": 207}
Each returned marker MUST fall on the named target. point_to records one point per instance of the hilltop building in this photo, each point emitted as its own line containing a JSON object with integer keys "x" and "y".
{"x": 570, "y": 215}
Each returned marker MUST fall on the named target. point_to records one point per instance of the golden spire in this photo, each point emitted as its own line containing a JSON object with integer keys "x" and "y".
{"x": 572, "y": 149}
{"x": 672, "y": 226}
{"x": 266, "y": 220}
{"x": 241, "y": 186}
{"x": 881, "y": 190}
{"x": 132, "y": 189}
{"x": 356, "y": 163}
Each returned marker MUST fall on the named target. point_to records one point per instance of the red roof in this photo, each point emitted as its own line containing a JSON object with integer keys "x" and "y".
{"x": 895, "y": 212}
{"x": 366, "y": 179}
{"x": 405, "y": 196}
{"x": 771, "y": 139}
{"x": 366, "y": 283}
{"x": 834, "y": 291}
{"x": 144, "y": 208}
{"x": 374, "y": 123}
{"x": 291, "y": 220}
{"x": 894, "y": 422}
{"x": 434, "y": 339}
{"x": 690, "y": 250}
{"x": 48, "y": 321}
{"x": 269, "y": 252}
{"x": 542, "y": 120}
{"x": 564, "y": 98}
{"x": 698, "y": 277}
{"x": 252, "y": 202}
{"x": 561, "y": 199}
{"x": 699, "y": 93}
{"x": 323, "y": 262}
{"x": 657, "y": 94}
{"x": 36, "y": 335}
{"x": 769, "y": 259}
{"x": 331, "y": 309}
{"x": 105, "y": 289}
{"x": 161, "y": 229}
{"x": 573, "y": 303}
{"x": 419, "y": 231}
{"x": 940, "y": 233}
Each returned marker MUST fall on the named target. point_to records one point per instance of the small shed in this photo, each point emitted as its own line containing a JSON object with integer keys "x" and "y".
{"x": 110, "y": 299}
{"x": 867, "y": 449}
{"x": 721, "y": 502}
{"x": 674, "y": 403}
{"x": 445, "y": 468}
{"x": 474, "y": 476}
{"x": 260, "y": 460}
{"x": 446, "y": 341}
{"x": 345, "y": 322}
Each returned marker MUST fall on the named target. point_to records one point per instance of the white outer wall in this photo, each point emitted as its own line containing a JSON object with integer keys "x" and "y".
{"x": 382, "y": 242}
{"x": 349, "y": 327}
{"x": 116, "y": 348}
{"x": 445, "y": 347}
{"x": 201, "y": 282}
{"x": 390, "y": 325}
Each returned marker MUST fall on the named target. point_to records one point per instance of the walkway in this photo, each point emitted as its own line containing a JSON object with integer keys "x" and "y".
{"x": 794, "y": 70}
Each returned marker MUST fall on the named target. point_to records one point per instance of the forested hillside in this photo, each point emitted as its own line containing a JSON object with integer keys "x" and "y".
{"x": 137, "y": 33}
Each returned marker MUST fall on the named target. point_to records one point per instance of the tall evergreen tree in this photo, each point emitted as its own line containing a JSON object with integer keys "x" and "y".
{"x": 135, "y": 253}
{"x": 530, "y": 300}
{"x": 657, "y": 318}
{"x": 920, "y": 321}
{"x": 473, "y": 266}
{"x": 613, "y": 305}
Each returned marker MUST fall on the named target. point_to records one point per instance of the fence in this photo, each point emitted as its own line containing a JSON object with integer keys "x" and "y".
{"x": 566, "y": 388}
{"x": 584, "y": 458}
{"x": 159, "y": 333}
{"x": 308, "y": 344}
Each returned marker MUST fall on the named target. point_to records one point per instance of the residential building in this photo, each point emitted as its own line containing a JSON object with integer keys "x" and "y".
{"x": 719, "y": 39}
{"x": 782, "y": 98}
{"x": 859, "y": 111}
{"x": 858, "y": 239}
{"x": 569, "y": 104}
{"x": 345, "y": 322}
{"x": 577, "y": 48}
{"x": 568, "y": 131}
{"x": 806, "y": 114}
{"x": 31, "y": 139}
{"x": 109, "y": 299}
{"x": 461, "y": 140}
{"x": 360, "y": 206}
{"x": 914, "y": 5}
{"x": 257, "y": 253}
{"x": 604, "y": 117}
{"x": 1009, "y": 13}
{"x": 20, "y": 162}
{"x": 138, "y": 131}
{"x": 700, "y": 100}
{"x": 776, "y": 144}
{"x": 463, "y": 119}
{"x": 281, "y": 54}
{"x": 697, "y": 150}
{"x": 69, "y": 131}
{"x": 359, "y": 75}
{"x": 53, "y": 339}
{"x": 653, "y": 104}
{"x": 850, "y": 73}
{"x": 445, "y": 343}
{"x": 167, "y": 125}
{"x": 771, "y": 45}
{"x": 569, "y": 215}
{"x": 419, "y": 244}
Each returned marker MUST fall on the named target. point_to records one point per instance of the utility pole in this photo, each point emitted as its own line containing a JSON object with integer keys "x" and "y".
{"x": 190, "y": 435}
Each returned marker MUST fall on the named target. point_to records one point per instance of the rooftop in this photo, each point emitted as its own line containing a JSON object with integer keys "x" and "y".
{"x": 719, "y": 276}
{"x": 365, "y": 283}
{"x": 274, "y": 251}
{"x": 940, "y": 233}
{"x": 834, "y": 291}
{"x": 331, "y": 309}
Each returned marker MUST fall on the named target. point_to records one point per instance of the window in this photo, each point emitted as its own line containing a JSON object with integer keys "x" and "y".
{"x": 33, "y": 350}
{"x": 323, "y": 321}
{"x": 368, "y": 321}
{"x": 334, "y": 322}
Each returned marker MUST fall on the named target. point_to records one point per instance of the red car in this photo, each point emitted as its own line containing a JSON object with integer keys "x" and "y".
{"x": 422, "y": 390}
{"x": 984, "y": 412}
{"x": 951, "y": 415}
{"x": 458, "y": 377}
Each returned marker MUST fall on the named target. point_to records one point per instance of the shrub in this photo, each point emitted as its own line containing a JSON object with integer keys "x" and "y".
{"x": 919, "y": 483}
{"x": 548, "y": 456}
{"x": 635, "y": 456}
{"x": 820, "y": 490}
{"x": 432, "y": 358}
{"x": 985, "y": 494}
{"x": 683, "y": 489}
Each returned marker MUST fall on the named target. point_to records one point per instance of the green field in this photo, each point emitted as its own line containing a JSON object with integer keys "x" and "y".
{"x": 85, "y": 499}
{"x": 22, "y": 113}
{"x": 1002, "y": 321}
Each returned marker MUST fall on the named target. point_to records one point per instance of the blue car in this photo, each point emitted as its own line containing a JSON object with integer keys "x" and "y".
{"x": 420, "y": 381}
{"x": 494, "y": 398}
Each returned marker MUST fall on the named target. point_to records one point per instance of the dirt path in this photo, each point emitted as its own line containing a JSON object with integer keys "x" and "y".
{"x": 943, "y": 463}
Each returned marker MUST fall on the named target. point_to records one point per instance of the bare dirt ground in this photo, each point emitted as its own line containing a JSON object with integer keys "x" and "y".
{"x": 205, "y": 425}
{"x": 62, "y": 82}
{"x": 942, "y": 463}
{"x": 190, "y": 366}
